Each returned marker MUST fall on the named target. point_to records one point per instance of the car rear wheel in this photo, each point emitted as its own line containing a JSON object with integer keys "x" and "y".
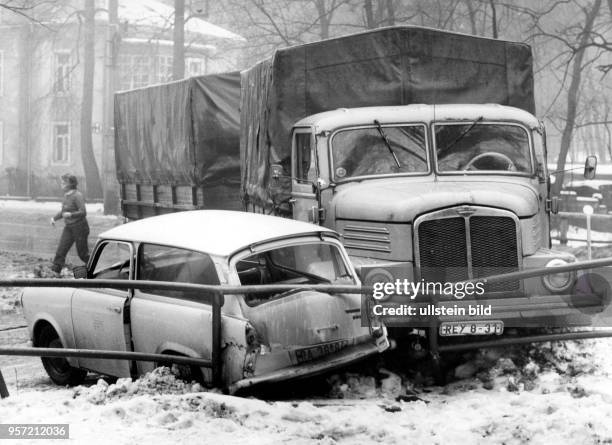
{"x": 58, "y": 368}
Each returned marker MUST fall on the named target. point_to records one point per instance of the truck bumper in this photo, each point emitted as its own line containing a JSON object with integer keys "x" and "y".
{"x": 515, "y": 311}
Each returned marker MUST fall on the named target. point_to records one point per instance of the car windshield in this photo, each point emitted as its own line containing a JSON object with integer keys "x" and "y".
{"x": 379, "y": 150}
{"x": 475, "y": 146}
{"x": 313, "y": 263}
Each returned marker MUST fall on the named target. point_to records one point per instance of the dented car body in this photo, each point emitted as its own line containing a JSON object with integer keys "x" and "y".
{"x": 265, "y": 337}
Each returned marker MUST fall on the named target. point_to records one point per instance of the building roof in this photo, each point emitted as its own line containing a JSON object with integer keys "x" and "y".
{"x": 217, "y": 232}
{"x": 153, "y": 13}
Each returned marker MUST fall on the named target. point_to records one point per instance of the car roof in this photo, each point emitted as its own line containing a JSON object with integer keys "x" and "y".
{"x": 217, "y": 232}
{"x": 329, "y": 120}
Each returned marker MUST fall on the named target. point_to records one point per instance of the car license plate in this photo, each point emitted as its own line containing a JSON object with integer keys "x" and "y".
{"x": 458, "y": 328}
{"x": 313, "y": 353}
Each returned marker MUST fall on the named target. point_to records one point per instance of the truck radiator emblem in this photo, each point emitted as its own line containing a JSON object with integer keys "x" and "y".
{"x": 466, "y": 211}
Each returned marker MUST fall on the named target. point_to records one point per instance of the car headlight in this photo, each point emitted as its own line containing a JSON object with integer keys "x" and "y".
{"x": 558, "y": 282}
{"x": 379, "y": 275}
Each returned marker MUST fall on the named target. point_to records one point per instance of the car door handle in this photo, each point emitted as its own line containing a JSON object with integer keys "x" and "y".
{"x": 116, "y": 309}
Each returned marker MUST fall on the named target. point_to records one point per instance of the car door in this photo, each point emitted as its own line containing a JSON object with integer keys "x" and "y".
{"x": 172, "y": 321}
{"x": 98, "y": 315}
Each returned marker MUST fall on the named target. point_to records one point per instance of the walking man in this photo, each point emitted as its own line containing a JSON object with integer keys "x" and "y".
{"x": 76, "y": 228}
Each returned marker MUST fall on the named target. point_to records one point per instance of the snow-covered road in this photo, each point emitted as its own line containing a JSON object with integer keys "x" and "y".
{"x": 157, "y": 409}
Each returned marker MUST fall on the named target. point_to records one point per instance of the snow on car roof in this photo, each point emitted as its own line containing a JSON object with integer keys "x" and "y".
{"x": 217, "y": 232}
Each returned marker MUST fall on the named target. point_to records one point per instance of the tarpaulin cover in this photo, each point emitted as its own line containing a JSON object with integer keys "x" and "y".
{"x": 388, "y": 66}
{"x": 180, "y": 133}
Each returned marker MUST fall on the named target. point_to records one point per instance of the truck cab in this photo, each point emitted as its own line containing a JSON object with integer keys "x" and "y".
{"x": 440, "y": 193}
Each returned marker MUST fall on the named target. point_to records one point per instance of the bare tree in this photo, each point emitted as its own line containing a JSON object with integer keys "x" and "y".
{"x": 573, "y": 91}
{"x": 493, "y": 19}
{"x": 178, "y": 54}
{"x": 369, "y": 14}
{"x": 90, "y": 167}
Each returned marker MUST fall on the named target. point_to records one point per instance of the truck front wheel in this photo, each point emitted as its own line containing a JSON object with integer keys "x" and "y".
{"x": 58, "y": 368}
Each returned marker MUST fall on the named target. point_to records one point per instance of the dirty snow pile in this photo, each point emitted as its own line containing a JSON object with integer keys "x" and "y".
{"x": 558, "y": 393}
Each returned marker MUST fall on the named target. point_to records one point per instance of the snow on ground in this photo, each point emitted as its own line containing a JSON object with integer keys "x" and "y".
{"x": 42, "y": 206}
{"x": 156, "y": 409}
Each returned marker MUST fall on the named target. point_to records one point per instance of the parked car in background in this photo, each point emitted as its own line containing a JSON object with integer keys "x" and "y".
{"x": 597, "y": 192}
{"x": 265, "y": 337}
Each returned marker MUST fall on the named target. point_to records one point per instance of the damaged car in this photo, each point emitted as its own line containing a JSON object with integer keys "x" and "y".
{"x": 265, "y": 337}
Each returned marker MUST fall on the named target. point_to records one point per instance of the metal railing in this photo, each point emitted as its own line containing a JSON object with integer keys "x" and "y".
{"x": 210, "y": 294}
{"x": 215, "y": 296}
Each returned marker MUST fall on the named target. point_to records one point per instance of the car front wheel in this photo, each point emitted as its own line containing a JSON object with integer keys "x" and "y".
{"x": 58, "y": 368}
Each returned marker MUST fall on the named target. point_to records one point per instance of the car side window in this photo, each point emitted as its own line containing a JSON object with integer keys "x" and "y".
{"x": 164, "y": 263}
{"x": 113, "y": 261}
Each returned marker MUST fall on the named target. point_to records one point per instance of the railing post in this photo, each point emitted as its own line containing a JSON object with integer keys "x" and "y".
{"x": 3, "y": 389}
{"x": 217, "y": 365}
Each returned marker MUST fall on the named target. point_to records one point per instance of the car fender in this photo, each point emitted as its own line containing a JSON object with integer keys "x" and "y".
{"x": 67, "y": 338}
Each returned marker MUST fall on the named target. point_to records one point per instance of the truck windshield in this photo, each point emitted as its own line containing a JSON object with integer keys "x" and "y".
{"x": 475, "y": 147}
{"x": 364, "y": 152}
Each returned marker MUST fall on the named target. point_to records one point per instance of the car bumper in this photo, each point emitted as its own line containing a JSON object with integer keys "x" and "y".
{"x": 324, "y": 364}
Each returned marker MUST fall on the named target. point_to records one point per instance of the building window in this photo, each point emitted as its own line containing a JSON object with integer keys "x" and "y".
{"x": 62, "y": 72}
{"x": 61, "y": 143}
{"x": 142, "y": 69}
{"x": 1, "y": 72}
{"x": 194, "y": 67}
{"x": 1, "y": 142}
{"x": 134, "y": 71}
{"x": 164, "y": 69}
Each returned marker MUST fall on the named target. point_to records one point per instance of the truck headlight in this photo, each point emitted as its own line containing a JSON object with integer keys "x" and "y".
{"x": 558, "y": 282}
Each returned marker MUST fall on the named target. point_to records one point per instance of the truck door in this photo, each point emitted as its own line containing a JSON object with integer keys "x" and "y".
{"x": 98, "y": 315}
{"x": 303, "y": 176}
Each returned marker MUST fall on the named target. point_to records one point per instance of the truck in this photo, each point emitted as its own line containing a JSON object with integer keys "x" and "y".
{"x": 421, "y": 148}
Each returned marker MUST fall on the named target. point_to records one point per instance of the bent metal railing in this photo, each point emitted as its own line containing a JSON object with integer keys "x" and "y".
{"x": 215, "y": 296}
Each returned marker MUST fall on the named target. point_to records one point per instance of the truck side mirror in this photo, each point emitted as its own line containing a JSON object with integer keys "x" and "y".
{"x": 590, "y": 167}
{"x": 540, "y": 172}
{"x": 276, "y": 171}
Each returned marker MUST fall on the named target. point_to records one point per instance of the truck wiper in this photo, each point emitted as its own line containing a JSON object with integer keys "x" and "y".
{"x": 462, "y": 135}
{"x": 387, "y": 143}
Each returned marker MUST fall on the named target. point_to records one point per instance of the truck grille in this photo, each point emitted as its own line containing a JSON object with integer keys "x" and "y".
{"x": 454, "y": 248}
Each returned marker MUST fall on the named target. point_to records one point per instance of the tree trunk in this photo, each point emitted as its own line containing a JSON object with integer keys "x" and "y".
{"x": 493, "y": 18}
{"x": 90, "y": 167}
{"x": 324, "y": 19}
{"x": 178, "y": 53}
{"x": 572, "y": 94}
{"x": 369, "y": 14}
{"x": 390, "y": 13}
{"x": 109, "y": 175}
{"x": 472, "y": 16}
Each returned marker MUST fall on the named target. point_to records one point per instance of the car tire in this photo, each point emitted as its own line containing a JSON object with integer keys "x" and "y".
{"x": 58, "y": 368}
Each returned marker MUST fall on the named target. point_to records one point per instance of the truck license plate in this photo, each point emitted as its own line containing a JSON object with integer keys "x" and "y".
{"x": 458, "y": 328}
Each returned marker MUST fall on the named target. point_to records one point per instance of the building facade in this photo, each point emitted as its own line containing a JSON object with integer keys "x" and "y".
{"x": 41, "y": 85}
